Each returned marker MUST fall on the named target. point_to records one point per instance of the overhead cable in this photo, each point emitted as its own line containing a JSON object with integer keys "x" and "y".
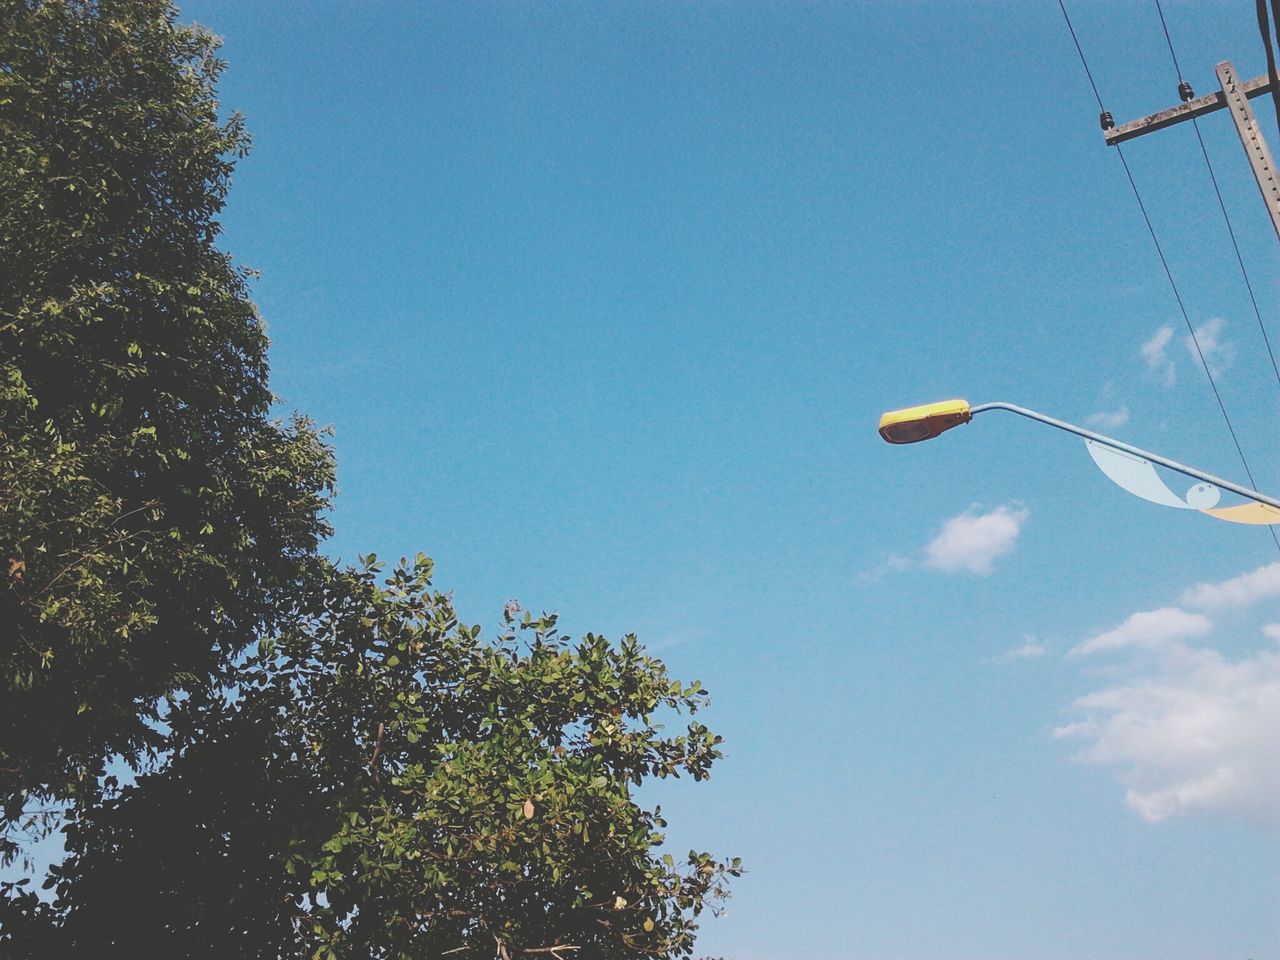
{"x": 1265, "y": 29}
{"x": 1173, "y": 286}
{"x": 1217, "y": 192}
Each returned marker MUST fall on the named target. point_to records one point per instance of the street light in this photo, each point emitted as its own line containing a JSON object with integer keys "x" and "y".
{"x": 924, "y": 423}
{"x": 1127, "y": 465}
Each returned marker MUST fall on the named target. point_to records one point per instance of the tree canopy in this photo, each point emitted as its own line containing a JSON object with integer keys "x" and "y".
{"x": 387, "y": 784}
{"x": 151, "y": 512}
{"x": 250, "y": 750}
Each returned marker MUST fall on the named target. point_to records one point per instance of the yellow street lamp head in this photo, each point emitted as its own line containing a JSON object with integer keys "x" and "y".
{"x": 923, "y": 423}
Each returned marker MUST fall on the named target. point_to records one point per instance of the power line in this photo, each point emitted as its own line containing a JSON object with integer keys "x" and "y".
{"x": 1083, "y": 62}
{"x": 1182, "y": 308}
{"x": 1217, "y": 192}
{"x": 1167, "y": 39}
{"x": 1155, "y": 240}
{"x": 1235, "y": 246}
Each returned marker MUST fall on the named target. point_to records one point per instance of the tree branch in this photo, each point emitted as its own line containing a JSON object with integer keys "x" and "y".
{"x": 377, "y": 749}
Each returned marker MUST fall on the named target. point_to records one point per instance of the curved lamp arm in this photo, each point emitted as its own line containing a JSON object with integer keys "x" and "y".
{"x": 923, "y": 423}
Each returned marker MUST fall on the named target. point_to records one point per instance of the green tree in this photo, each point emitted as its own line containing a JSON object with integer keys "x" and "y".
{"x": 321, "y": 762}
{"x": 387, "y": 784}
{"x": 151, "y": 512}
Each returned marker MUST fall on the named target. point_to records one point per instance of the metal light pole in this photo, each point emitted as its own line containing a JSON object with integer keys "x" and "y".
{"x": 914, "y": 424}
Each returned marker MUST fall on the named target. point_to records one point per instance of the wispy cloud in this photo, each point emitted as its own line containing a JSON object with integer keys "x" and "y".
{"x": 1218, "y": 352}
{"x": 1155, "y": 352}
{"x": 973, "y": 541}
{"x": 1241, "y": 591}
{"x": 1109, "y": 419}
{"x": 1030, "y": 647}
{"x": 1148, "y": 628}
{"x": 892, "y": 563}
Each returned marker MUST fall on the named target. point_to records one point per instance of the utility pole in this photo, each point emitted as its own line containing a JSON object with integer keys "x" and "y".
{"x": 1233, "y": 96}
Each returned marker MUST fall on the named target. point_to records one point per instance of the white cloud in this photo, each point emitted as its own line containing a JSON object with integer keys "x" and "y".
{"x": 1218, "y": 353}
{"x": 1192, "y": 732}
{"x": 1155, "y": 353}
{"x": 973, "y": 541}
{"x": 1188, "y": 728}
{"x": 1241, "y": 591}
{"x": 1109, "y": 419}
{"x": 1147, "y": 629}
{"x": 1030, "y": 647}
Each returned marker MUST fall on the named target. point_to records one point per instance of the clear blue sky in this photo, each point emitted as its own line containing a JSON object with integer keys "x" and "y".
{"x": 603, "y": 301}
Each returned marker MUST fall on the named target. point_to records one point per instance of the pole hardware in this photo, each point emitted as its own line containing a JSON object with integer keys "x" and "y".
{"x": 1233, "y": 96}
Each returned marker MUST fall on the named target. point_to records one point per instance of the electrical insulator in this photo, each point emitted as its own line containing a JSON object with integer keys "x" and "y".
{"x": 1185, "y": 91}
{"x": 1107, "y": 120}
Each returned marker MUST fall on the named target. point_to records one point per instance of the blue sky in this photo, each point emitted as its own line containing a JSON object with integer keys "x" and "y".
{"x": 603, "y": 302}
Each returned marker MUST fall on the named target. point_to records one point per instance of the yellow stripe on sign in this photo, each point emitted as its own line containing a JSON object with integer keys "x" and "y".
{"x": 1256, "y": 513}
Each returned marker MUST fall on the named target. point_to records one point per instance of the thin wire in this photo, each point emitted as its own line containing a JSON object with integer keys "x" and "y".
{"x": 1176, "y": 69}
{"x": 1083, "y": 62}
{"x": 1217, "y": 192}
{"x": 1185, "y": 316}
{"x": 1155, "y": 240}
{"x": 1244, "y": 273}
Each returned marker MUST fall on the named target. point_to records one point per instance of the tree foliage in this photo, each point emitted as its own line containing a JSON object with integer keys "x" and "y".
{"x": 385, "y": 783}
{"x": 252, "y": 751}
{"x": 151, "y": 513}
